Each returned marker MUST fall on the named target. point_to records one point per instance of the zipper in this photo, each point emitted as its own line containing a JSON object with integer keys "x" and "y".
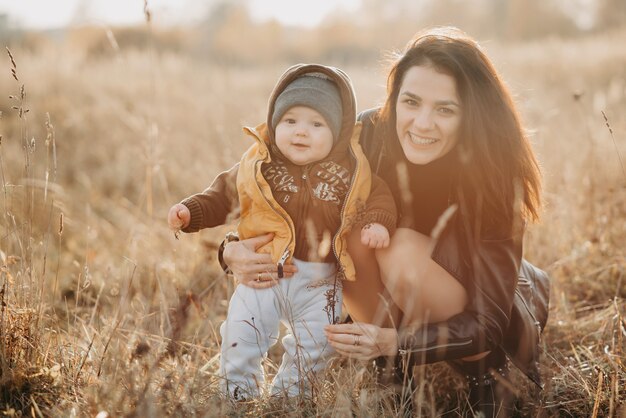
{"x": 537, "y": 324}
{"x": 532, "y": 376}
{"x": 436, "y": 347}
{"x": 345, "y": 203}
{"x": 286, "y": 252}
{"x": 304, "y": 191}
{"x": 281, "y": 263}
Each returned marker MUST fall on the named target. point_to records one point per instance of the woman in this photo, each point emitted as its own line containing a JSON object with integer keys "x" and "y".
{"x": 452, "y": 284}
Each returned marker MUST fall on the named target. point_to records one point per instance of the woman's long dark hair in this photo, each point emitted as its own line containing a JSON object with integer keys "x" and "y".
{"x": 499, "y": 174}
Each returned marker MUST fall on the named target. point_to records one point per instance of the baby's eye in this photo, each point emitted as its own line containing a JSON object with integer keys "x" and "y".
{"x": 290, "y": 121}
{"x": 318, "y": 124}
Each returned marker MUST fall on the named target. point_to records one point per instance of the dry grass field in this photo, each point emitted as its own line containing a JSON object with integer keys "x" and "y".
{"x": 105, "y": 313}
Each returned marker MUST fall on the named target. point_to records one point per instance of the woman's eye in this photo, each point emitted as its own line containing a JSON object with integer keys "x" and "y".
{"x": 411, "y": 102}
{"x": 446, "y": 111}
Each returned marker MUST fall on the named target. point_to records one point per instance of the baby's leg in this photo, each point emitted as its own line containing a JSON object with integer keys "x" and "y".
{"x": 250, "y": 329}
{"x": 306, "y": 312}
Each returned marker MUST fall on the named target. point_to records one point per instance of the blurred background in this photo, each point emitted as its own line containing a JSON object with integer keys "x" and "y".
{"x": 113, "y": 110}
{"x": 258, "y": 31}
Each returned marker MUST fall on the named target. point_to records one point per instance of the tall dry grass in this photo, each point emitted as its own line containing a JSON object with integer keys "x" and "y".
{"x": 103, "y": 311}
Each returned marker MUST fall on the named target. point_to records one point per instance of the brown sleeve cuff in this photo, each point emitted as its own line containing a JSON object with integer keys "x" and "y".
{"x": 196, "y": 215}
{"x": 382, "y": 217}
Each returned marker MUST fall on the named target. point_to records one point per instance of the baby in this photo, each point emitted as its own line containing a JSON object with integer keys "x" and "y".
{"x": 307, "y": 181}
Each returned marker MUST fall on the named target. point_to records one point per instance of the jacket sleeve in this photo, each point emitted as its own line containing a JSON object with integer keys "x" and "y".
{"x": 489, "y": 275}
{"x": 213, "y": 206}
{"x": 380, "y": 206}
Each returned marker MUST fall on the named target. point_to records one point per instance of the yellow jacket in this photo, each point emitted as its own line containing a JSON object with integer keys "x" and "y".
{"x": 260, "y": 213}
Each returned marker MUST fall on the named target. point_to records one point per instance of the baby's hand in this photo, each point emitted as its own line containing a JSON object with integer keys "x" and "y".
{"x": 178, "y": 217}
{"x": 375, "y": 236}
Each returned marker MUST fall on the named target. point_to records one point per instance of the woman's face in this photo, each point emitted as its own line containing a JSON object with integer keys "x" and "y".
{"x": 428, "y": 114}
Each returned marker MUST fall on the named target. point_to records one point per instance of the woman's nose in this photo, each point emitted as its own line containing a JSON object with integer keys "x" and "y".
{"x": 423, "y": 119}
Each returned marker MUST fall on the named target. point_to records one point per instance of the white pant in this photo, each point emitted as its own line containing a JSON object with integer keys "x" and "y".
{"x": 252, "y": 326}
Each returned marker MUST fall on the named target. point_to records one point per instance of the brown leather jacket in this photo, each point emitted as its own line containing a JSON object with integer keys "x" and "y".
{"x": 508, "y": 304}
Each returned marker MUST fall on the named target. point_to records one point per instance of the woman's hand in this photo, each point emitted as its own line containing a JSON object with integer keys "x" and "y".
{"x": 250, "y": 268}
{"x": 362, "y": 341}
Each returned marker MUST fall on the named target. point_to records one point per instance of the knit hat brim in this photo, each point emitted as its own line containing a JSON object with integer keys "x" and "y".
{"x": 316, "y": 92}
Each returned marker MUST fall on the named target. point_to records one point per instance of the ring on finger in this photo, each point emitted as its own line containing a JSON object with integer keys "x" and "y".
{"x": 357, "y": 340}
{"x": 258, "y": 277}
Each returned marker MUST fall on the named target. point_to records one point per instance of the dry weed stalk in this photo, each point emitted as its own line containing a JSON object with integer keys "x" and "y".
{"x": 608, "y": 125}
{"x": 31, "y": 376}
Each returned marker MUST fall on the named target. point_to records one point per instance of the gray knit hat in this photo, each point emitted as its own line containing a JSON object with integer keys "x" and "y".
{"x": 312, "y": 90}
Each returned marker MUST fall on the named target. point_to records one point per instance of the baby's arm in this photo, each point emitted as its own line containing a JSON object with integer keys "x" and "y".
{"x": 378, "y": 220}
{"x": 375, "y": 235}
{"x": 210, "y": 208}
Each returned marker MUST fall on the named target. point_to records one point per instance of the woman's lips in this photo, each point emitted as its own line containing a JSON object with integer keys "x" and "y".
{"x": 420, "y": 140}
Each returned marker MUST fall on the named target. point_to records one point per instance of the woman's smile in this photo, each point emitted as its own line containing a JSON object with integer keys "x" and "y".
{"x": 421, "y": 140}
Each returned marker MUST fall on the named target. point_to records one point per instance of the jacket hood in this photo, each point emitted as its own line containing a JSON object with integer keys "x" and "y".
{"x": 346, "y": 91}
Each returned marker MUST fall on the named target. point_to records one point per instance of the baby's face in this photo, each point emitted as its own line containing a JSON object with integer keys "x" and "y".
{"x": 303, "y": 136}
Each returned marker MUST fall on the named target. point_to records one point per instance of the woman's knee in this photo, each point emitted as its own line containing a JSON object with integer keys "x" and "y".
{"x": 409, "y": 274}
{"x": 401, "y": 260}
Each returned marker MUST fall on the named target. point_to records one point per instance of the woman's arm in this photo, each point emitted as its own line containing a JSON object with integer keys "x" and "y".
{"x": 490, "y": 277}
{"x": 479, "y": 327}
{"x": 488, "y": 268}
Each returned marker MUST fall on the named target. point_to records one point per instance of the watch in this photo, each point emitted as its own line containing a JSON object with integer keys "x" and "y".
{"x": 230, "y": 237}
